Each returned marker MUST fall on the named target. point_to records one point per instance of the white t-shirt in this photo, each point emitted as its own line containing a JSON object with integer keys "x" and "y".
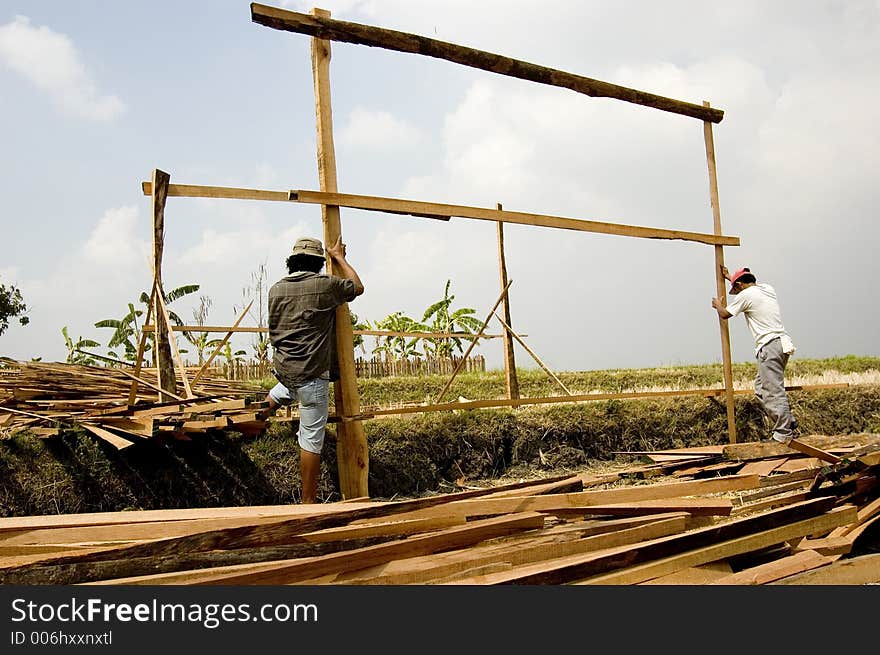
{"x": 760, "y": 307}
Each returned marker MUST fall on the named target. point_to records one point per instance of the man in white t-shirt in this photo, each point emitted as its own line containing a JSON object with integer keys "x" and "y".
{"x": 758, "y": 303}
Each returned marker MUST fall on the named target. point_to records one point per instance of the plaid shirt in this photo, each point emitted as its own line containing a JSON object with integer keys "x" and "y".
{"x": 302, "y": 325}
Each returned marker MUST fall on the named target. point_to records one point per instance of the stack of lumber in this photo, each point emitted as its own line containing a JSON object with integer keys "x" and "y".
{"x": 805, "y": 526}
{"x": 46, "y": 398}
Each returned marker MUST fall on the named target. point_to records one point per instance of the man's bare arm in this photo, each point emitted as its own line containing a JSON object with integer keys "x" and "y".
{"x": 721, "y": 309}
{"x": 342, "y": 268}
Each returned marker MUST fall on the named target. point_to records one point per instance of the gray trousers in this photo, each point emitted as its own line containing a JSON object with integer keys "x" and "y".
{"x": 770, "y": 390}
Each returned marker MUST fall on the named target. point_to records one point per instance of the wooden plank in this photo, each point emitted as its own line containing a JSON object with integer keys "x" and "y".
{"x": 351, "y": 510}
{"x": 807, "y": 449}
{"x": 531, "y": 539}
{"x": 140, "y": 426}
{"x": 196, "y": 191}
{"x": 238, "y": 403}
{"x": 445, "y": 565}
{"x": 586, "y": 500}
{"x": 772, "y": 491}
{"x": 651, "y": 559}
{"x": 348, "y": 32}
{"x": 799, "y": 464}
{"x": 694, "y": 575}
{"x": 826, "y": 545}
{"x": 375, "y": 333}
{"x": 705, "y": 470}
{"x": 861, "y": 570}
{"x": 693, "y": 506}
{"x": 775, "y": 570}
{"x": 404, "y": 206}
{"x": 775, "y": 480}
{"x": 352, "y": 453}
{"x": 769, "y": 448}
{"x": 762, "y": 467}
{"x": 109, "y": 437}
{"x": 770, "y": 503}
{"x": 571, "y": 484}
{"x": 688, "y": 451}
{"x": 725, "y": 549}
{"x": 865, "y": 513}
{"x": 96, "y": 534}
{"x": 290, "y": 571}
{"x": 505, "y": 402}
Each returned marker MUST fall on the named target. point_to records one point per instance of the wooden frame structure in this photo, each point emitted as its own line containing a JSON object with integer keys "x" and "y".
{"x": 351, "y": 441}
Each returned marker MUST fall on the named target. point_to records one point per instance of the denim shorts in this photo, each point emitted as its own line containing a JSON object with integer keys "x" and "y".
{"x": 313, "y": 397}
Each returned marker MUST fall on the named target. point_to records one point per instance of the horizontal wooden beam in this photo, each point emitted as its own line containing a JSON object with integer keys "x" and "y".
{"x": 369, "y": 333}
{"x": 360, "y": 34}
{"x": 415, "y": 207}
{"x": 440, "y": 211}
{"x": 508, "y": 402}
{"x": 231, "y": 193}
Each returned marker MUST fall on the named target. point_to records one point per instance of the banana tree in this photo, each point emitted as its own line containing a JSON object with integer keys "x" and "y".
{"x": 127, "y": 331}
{"x": 444, "y": 319}
{"x": 397, "y": 347}
{"x": 357, "y": 324}
{"x": 74, "y": 356}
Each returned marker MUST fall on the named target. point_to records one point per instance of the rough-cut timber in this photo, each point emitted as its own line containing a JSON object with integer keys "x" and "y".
{"x": 358, "y": 33}
{"x": 546, "y": 531}
{"x": 436, "y": 210}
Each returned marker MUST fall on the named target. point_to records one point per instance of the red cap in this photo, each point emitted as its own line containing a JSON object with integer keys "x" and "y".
{"x": 738, "y": 275}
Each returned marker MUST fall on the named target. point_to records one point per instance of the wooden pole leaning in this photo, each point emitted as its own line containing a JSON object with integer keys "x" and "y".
{"x": 720, "y": 280}
{"x": 162, "y": 349}
{"x": 351, "y": 442}
{"x": 142, "y": 346}
{"x": 534, "y": 356}
{"x": 220, "y": 345}
{"x": 510, "y": 380}
{"x": 473, "y": 343}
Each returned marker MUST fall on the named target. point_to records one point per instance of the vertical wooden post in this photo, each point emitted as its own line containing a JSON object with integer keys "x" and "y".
{"x": 351, "y": 444}
{"x": 719, "y": 278}
{"x": 510, "y": 379}
{"x": 161, "y": 345}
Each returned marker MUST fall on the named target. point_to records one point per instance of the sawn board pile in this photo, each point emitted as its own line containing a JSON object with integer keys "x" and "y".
{"x": 742, "y": 514}
{"x": 45, "y": 399}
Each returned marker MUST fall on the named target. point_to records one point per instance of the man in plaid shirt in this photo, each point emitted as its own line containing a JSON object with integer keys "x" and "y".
{"x": 302, "y": 330}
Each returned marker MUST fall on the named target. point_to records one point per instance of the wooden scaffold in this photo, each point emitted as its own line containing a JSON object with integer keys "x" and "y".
{"x": 352, "y": 449}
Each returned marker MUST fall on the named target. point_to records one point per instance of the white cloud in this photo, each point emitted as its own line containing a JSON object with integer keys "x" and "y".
{"x": 378, "y": 130}
{"x": 51, "y": 62}
{"x": 113, "y": 241}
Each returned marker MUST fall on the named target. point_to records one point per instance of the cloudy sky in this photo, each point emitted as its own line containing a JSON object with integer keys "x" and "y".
{"x": 95, "y": 95}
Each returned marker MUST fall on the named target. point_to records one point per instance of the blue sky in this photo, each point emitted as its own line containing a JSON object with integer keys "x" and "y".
{"x": 94, "y": 95}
